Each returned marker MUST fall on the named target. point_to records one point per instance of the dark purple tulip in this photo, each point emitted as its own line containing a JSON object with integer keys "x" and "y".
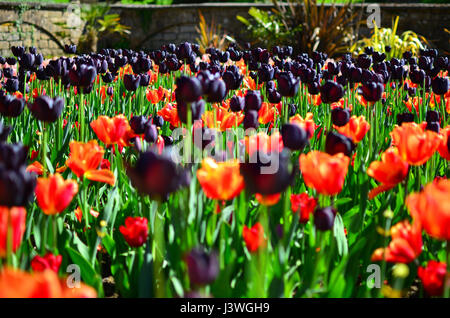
{"x": 137, "y": 123}
{"x": 203, "y": 268}
{"x": 39, "y": 59}
{"x": 108, "y": 77}
{"x": 252, "y": 101}
{"x": 2, "y": 60}
{"x": 172, "y": 63}
{"x": 433, "y": 126}
{"x": 294, "y": 137}
{"x": 232, "y": 79}
{"x": 110, "y": 91}
{"x": 70, "y": 48}
{"x": 12, "y": 156}
{"x": 17, "y": 51}
{"x": 331, "y": 92}
{"x": 11, "y": 61}
{"x": 314, "y": 88}
{"x": 340, "y": 116}
{"x": 273, "y": 96}
{"x": 405, "y": 118}
{"x": 46, "y": 109}
{"x": 440, "y": 85}
{"x": 88, "y": 75}
{"x": 150, "y": 133}
{"x": 184, "y": 50}
{"x": 368, "y": 50}
{"x": 11, "y": 106}
{"x": 265, "y": 73}
{"x": 432, "y": 115}
{"x": 197, "y": 109}
{"x": 324, "y": 218}
{"x": 287, "y": 84}
{"x": 158, "y": 121}
{"x": 260, "y": 175}
{"x": 372, "y": 91}
{"x": 412, "y": 91}
{"x": 407, "y": 55}
{"x": 16, "y": 186}
{"x": 12, "y": 85}
{"x": 337, "y": 143}
{"x": 4, "y": 132}
{"x": 144, "y": 80}
{"x": 364, "y": 61}
{"x": 156, "y": 175}
{"x": 27, "y": 61}
{"x": 237, "y": 103}
{"x": 131, "y": 82}
{"x": 189, "y": 89}
{"x": 8, "y": 72}
{"x": 417, "y": 76}
{"x": 251, "y": 119}
{"x": 217, "y": 91}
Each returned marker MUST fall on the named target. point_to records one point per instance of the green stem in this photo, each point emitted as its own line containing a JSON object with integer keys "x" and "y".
{"x": 44, "y": 149}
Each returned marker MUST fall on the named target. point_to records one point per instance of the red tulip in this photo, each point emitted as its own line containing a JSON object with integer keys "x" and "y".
{"x": 49, "y": 261}
{"x": 135, "y": 231}
{"x": 254, "y": 237}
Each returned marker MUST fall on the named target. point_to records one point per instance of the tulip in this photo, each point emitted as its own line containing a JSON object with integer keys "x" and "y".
{"x": 404, "y": 118}
{"x": 217, "y": 91}
{"x": 306, "y": 123}
{"x": 18, "y": 284}
{"x": 135, "y": 231}
{"x": 294, "y": 136}
{"x": 11, "y": 106}
{"x": 415, "y": 145}
{"x": 254, "y": 237}
{"x": 433, "y": 277}
{"x": 287, "y": 84}
{"x": 12, "y": 156}
{"x": 356, "y": 128}
{"x": 150, "y": 133}
{"x": 12, "y": 85}
{"x": 304, "y": 205}
{"x": 85, "y": 159}
{"x": 251, "y": 119}
{"x": 323, "y": 172}
{"x": 372, "y": 91}
{"x": 324, "y": 218}
{"x": 340, "y": 116}
{"x": 220, "y": 181}
{"x": 337, "y": 143}
{"x": 49, "y": 261}
{"x": 137, "y": 124}
{"x": 390, "y": 171}
{"x": 17, "y": 221}
{"x": 259, "y": 175}
{"x": 47, "y": 109}
{"x": 156, "y": 175}
{"x": 444, "y": 147}
{"x": 252, "y": 101}
{"x": 331, "y": 92}
{"x": 54, "y": 194}
{"x": 440, "y": 85}
{"x": 203, "y": 268}
{"x": 197, "y": 108}
{"x": 189, "y": 89}
{"x": 406, "y": 244}
{"x": 237, "y": 103}
{"x": 112, "y": 131}
{"x": 431, "y": 208}
{"x": 16, "y": 186}
{"x": 131, "y": 82}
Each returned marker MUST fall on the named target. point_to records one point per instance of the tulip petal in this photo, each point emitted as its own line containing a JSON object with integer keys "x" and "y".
{"x": 104, "y": 175}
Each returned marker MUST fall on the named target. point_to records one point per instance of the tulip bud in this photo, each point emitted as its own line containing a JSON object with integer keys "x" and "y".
{"x": 47, "y": 109}
{"x": 203, "y": 268}
{"x": 252, "y": 101}
{"x": 294, "y": 137}
{"x": 324, "y": 218}
{"x": 131, "y": 82}
{"x": 237, "y": 103}
{"x": 251, "y": 119}
{"x": 151, "y": 133}
{"x": 340, "y": 116}
{"x": 432, "y": 115}
{"x": 331, "y": 92}
{"x": 336, "y": 143}
{"x": 137, "y": 123}
{"x": 440, "y": 85}
{"x": 433, "y": 126}
{"x": 404, "y": 118}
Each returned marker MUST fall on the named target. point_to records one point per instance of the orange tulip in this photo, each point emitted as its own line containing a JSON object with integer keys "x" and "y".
{"x": 115, "y": 130}
{"x": 268, "y": 200}
{"x": 17, "y": 218}
{"x": 323, "y": 172}
{"x": 224, "y": 119}
{"x": 390, "y": 171}
{"x": 406, "y": 244}
{"x": 267, "y": 113}
{"x": 54, "y": 194}
{"x": 169, "y": 113}
{"x": 220, "y": 180}
{"x": 38, "y": 168}
{"x": 79, "y": 213}
{"x": 443, "y": 148}
{"x": 415, "y": 145}
{"x": 356, "y": 128}
{"x": 264, "y": 143}
{"x": 154, "y": 96}
{"x": 84, "y": 160}
{"x": 431, "y": 207}
{"x": 306, "y": 123}
{"x": 18, "y": 284}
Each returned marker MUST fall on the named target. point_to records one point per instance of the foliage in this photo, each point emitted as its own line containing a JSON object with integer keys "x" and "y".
{"x": 388, "y": 37}
{"x": 210, "y": 36}
{"x": 304, "y": 24}
{"x": 267, "y": 28}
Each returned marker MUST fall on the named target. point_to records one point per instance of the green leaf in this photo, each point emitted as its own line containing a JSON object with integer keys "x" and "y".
{"x": 88, "y": 273}
{"x": 339, "y": 234}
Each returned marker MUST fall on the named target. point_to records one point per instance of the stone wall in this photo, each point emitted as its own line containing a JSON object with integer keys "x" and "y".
{"x": 152, "y": 26}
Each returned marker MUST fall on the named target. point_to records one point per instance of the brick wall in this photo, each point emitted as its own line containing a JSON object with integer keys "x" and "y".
{"x": 152, "y": 26}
